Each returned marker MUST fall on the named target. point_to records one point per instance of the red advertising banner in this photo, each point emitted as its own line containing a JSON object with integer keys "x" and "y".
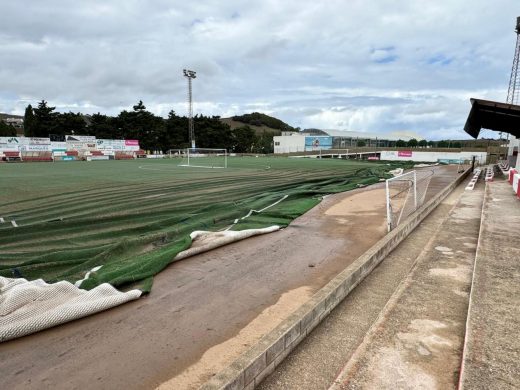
{"x": 404, "y": 153}
{"x": 131, "y": 142}
{"x": 373, "y": 158}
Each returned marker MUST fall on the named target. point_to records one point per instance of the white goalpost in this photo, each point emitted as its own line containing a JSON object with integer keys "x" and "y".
{"x": 405, "y": 194}
{"x": 200, "y": 157}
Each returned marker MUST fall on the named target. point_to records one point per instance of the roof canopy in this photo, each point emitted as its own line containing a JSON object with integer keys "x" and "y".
{"x": 493, "y": 116}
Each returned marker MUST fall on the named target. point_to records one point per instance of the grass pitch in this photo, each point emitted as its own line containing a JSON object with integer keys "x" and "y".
{"x": 133, "y": 217}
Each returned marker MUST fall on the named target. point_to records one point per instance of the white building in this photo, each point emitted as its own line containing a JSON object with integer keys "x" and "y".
{"x": 330, "y": 139}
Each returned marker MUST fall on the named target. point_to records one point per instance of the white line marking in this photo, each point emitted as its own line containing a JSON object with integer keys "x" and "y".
{"x": 256, "y": 211}
{"x": 78, "y": 283}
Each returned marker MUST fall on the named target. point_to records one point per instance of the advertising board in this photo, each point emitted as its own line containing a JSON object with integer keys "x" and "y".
{"x": 404, "y": 153}
{"x": 58, "y": 145}
{"x": 80, "y": 138}
{"x": 318, "y": 143}
{"x": 81, "y": 145}
{"x": 449, "y": 160}
{"x": 110, "y": 144}
{"x": 35, "y": 148}
{"x": 12, "y": 141}
{"x": 38, "y": 141}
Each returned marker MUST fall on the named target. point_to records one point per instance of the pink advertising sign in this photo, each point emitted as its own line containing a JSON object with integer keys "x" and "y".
{"x": 404, "y": 153}
{"x": 131, "y": 142}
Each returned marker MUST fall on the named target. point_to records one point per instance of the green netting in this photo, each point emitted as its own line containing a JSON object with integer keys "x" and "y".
{"x": 133, "y": 217}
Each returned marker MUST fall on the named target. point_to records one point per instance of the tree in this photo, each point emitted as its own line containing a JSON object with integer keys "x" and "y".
{"x": 361, "y": 143}
{"x": 175, "y": 135}
{"x": 456, "y": 144}
{"x": 400, "y": 143}
{"x": 244, "y": 139}
{"x": 423, "y": 143}
{"x": 69, "y": 123}
{"x": 103, "y": 127}
{"x": 264, "y": 143}
{"x": 210, "y": 132}
{"x": 412, "y": 143}
{"x": 442, "y": 144}
{"x": 44, "y": 120}
{"x": 139, "y": 106}
{"x": 6, "y": 130}
{"x": 431, "y": 144}
{"x": 142, "y": 125}
{"x": 28, "y": 121}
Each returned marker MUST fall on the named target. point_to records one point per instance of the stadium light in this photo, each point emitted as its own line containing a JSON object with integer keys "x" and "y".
{"x": 190, "y": 75}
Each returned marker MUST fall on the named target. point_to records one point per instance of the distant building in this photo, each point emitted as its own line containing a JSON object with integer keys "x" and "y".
{"x": 314, "y": 140}
{"x": 16, "y": 122}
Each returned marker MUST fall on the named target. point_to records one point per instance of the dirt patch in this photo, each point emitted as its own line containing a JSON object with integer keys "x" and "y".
{"x": 360, "y": 202}
{"x": 221, "y": 355}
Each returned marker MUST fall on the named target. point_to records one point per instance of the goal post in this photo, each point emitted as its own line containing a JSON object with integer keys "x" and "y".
{"x": 405, "y": 194}
{"x": 201, "y": 157}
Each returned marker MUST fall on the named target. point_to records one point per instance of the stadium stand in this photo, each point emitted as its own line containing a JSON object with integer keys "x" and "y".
{"x": 37, "y": 157}
{"x": 124, "y": 155}
{"x": 11, "y": 156}
{"x": 504, "y": 167}
{"x": 490, "y": 173}
{"x": 473, "y": 181}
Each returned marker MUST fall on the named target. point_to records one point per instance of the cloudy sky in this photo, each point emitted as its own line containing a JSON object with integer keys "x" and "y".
{"x": 385, "y": 66}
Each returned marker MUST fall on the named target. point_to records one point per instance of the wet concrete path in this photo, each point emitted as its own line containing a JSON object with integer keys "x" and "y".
{"x": 403, "y": 326}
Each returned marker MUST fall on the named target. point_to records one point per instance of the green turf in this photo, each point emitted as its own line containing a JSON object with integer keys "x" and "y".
{"x": 133, "y": 217}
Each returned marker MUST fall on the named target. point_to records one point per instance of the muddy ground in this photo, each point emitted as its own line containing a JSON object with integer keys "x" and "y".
{"x": 206, "y": 310}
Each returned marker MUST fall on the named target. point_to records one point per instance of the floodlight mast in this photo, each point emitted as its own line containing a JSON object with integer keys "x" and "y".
{"x": 514, "y": 82}
{"x": 190, "y": 74}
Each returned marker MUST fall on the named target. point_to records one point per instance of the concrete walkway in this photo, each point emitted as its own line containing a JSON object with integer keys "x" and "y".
{"x": 403, "y": 326}
{"x": 492, "y": 349}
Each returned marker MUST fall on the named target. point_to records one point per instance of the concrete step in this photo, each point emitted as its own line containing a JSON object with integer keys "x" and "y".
{"x": 403, "y": 326}
{"x": 492, "y": 347}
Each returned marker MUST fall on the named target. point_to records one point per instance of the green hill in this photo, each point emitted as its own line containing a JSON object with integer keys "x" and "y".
{"x": 258, "y": 122}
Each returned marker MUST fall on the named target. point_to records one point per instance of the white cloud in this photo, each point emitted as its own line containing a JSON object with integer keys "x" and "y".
{"x": 380, "y": 66}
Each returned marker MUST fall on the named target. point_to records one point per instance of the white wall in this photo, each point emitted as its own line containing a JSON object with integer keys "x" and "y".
{"x": 514, "y": 145}
{"x": 434, "y": 156}
{"x": 289, "y": 144}
{"x": 513, "y": 141}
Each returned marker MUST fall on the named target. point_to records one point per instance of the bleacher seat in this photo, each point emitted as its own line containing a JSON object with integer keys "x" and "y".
{"x": 11, "y": 156}
{"x": 124, "y": 155}
{"x": 37, "y": 156}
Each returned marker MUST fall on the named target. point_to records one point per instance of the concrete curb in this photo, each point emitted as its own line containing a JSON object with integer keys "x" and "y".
{"x": 465, "y": 346}
{"x": 258, "y": 362}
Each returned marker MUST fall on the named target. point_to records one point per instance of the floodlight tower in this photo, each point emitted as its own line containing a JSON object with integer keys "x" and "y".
{"x": 514, "y": 81}
{"x": 190, "y": 75}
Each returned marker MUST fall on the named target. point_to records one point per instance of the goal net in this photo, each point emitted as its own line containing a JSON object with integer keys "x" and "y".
{"x": 200, "y": 157}
{"x": 405, "y": 194}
